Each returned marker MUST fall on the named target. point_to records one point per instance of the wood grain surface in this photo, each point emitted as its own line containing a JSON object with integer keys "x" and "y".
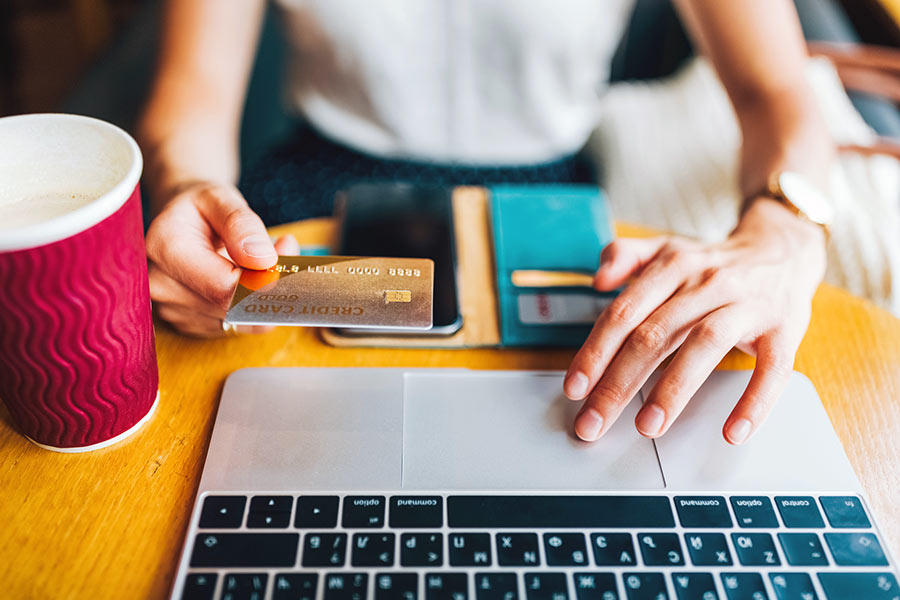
{"x": 110, "y": 524}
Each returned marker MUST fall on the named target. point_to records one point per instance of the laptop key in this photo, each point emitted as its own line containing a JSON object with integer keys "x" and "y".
{"x": 802, "y": 549}
{"x": 708, "y": 549}
{"x": 345, "y": 586}
{"x": 744, "y": 586}
{"x": 496, "y": 586}
{"x": 694, "y": 586}
{"x": 470, "y": 549}
{"x": 222, "y": 512}
{"x": 271, "y": 504}
{"x": 316, "y": 512}
{"x": 517, "y": 549}
{"x": 295, "y": 586}
{"x": 613, "y": 549}
{"x": 363, "y": 512}
{"x": 793, "y": 586}
{"x": 396, "y": 586}
{"x": 446, "y": 586}
{"x": 702, "y": 511}
{"x": 422, "y": 549}
{"x": 855, "y": 586}
{"x": 372, "y": 550}
{"x": 754, "y": 511}
{"x": 565, "y": 549}
{"x": 199, "y": 586}
{"x": 244, "y": 586}
{"x": 799, "y": 511}
{"x": 595, "y": 586}
{"x": 856, "y": 549}
{"x": 660, "y": 549}
{"x": 845, "y": 511}
{"x": 268, "y": 512}
{"x": 755, "y": 549}
{"x": 245, "y": 550}
{"x": 546, "y": 586}
{"x": 508, "y": 512}
{"x": 645, "y": 586}
{"x": 268, "y": 520}
{"x": 416, "y": 512}
{"x": 324, "y": 549}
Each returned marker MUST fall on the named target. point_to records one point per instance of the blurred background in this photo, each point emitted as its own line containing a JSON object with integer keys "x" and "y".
{"x": 97, "y": 56}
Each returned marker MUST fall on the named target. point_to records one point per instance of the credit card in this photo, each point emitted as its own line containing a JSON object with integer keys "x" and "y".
{"x": 337, "y": 291}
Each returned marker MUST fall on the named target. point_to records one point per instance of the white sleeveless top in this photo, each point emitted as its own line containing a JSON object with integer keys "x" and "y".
{"x": 471, "y": 81}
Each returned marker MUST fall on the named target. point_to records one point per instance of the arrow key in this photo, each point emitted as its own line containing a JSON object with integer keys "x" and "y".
{"x": 222, "y": 512}
{"x": 316, "y": 512}
{"x": 270, "y": 512}
{"x": 268, "y": 520}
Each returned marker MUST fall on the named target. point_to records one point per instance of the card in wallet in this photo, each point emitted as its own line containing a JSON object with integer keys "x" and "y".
{"x": 553, "y": 228}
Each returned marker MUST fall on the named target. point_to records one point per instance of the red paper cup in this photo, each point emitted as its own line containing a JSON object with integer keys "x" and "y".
{"x": 77, "y": 357}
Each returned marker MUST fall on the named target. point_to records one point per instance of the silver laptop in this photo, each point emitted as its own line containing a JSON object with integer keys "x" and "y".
{"x": 354, "y": 484}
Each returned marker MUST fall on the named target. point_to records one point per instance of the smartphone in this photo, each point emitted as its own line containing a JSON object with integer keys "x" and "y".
{"x": 404, "y": 221}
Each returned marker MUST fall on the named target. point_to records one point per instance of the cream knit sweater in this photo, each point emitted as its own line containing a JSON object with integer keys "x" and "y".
{"x": 668, "y": 152}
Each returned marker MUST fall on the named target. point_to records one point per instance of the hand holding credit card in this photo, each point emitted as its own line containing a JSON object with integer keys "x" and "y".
{"x": 337, "y": 291}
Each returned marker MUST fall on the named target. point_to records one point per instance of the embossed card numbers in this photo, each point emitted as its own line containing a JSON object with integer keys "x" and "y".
{"x": 337, "y": 291}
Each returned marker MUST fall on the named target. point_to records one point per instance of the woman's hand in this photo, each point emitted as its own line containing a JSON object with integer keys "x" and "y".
{"x": 196, "y": 246}
{"x": 752, "y": 291}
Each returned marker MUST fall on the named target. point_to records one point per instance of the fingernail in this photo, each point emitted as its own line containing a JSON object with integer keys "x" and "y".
{"x": 577, "y": 386}
{"x": 589, "y": 425}
{"x": 739, "y": 431}
{"x": 650, "y": 420}
{"x": 258, "y": 246}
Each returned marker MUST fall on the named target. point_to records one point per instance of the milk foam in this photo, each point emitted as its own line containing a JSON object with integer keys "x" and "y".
{"x": 49, "y": 168}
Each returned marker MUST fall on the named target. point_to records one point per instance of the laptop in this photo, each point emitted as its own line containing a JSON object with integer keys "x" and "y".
{"x": 355, "y": 484}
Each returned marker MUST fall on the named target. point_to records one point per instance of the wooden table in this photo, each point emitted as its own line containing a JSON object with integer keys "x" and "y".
{"x": 110, "y": 524}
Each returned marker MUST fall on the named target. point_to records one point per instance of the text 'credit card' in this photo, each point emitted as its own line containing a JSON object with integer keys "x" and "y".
{"x": 337, "y": 291}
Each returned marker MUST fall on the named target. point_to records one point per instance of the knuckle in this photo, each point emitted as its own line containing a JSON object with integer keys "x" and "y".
{"x": 724, "y": 281}
{"x": 669, "y": 387}
{"x": 780, "y": 362}
{"x": 651, "y": 337}
{"x": 609, "y": 393}
{"x": 622, "y": 311}
{"x": 239, "y": 219}
{"x": 711, "y": 334}
{"x": 218, "y": 296}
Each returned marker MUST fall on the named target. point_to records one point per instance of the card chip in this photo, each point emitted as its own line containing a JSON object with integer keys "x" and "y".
{"x": 397, "y": 296}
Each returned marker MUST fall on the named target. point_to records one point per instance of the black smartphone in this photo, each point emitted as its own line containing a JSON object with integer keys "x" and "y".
{"x": 404, "y": 221}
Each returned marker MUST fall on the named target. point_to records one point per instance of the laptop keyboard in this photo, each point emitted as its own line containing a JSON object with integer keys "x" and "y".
{"x": 535, "y": 547}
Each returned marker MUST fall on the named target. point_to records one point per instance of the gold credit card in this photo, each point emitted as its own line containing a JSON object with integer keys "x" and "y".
{"x": 337, "y": 291}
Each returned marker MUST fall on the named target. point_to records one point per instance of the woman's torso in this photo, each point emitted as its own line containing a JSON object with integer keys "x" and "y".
{"x": 472, "y": 81}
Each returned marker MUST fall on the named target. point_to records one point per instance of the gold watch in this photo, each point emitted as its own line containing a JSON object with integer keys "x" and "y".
{"x": 802, "y": 197}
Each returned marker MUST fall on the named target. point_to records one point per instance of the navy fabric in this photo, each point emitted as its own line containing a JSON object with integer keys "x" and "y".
{"x": 299, "y": 179}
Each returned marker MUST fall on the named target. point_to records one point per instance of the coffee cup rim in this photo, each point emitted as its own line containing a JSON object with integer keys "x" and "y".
{"x": 84, "y": 217}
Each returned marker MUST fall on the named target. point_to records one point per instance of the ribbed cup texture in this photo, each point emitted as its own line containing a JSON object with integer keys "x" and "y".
{"x": 77, "y": 356}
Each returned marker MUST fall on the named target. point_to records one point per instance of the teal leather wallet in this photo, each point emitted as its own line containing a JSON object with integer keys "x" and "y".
{"x": 553, "y": 228}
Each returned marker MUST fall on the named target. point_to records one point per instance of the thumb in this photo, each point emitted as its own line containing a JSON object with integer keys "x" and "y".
{"x": 623, "y": 258}
{"x": 240, "y": 228}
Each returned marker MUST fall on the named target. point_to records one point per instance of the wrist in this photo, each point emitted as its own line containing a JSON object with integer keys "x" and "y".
{"x": 768, "y": 224}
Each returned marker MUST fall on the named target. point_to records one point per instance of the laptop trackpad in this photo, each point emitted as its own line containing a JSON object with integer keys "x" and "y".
{"x": 513, "y": 431}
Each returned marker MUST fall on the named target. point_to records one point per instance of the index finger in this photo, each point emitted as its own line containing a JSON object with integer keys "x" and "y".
{"x": 190, "y": 259}
{"x": 661, "y": 277}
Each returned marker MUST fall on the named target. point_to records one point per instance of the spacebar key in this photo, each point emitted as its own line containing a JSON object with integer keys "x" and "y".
{"x": 245, "y": 550}
{"x": 559, "y": 511}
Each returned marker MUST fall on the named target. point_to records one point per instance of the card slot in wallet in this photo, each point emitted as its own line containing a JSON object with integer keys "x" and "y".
{"x": 549, "y": 228}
